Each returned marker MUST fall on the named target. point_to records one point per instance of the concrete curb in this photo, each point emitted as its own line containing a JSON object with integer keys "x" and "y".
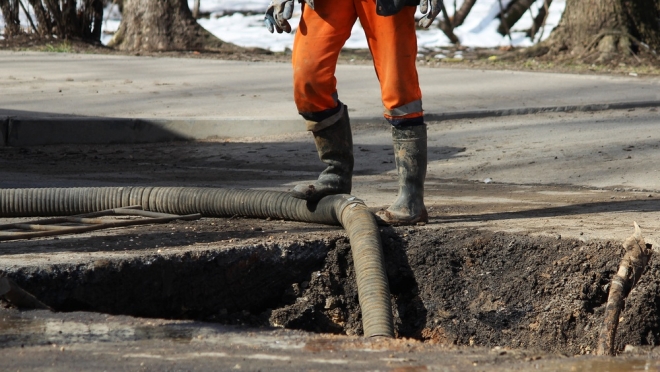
{"x": 26, "y": 131}
{"x": 33, "y": 131}
{"x": 537, "y": 110}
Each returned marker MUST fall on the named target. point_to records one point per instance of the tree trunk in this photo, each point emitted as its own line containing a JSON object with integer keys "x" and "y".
{"x": 10, "y": 11}
{"x": 603, "y": 29}
{"x": 161, "y": 25}
{"x": 44, "y": 23}
{"x": 55, "y": 12}
{"x": 67, "y": 19}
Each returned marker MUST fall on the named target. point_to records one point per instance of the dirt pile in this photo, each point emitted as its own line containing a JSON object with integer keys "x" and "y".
{"x": 472, "y": 287}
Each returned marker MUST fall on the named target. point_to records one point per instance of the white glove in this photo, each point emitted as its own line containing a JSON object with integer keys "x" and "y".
{"x": 278, "y": 14}
{"x": 431, "y": 9}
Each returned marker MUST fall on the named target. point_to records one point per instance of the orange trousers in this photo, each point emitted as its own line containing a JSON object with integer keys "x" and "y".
{"x": 321, "y": 35}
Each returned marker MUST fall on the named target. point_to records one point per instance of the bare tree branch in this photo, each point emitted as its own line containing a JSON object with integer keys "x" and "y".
{"x": 195, "y": 10}
{"x": 513, "y": 15}
{"x": 539, "y": 20}
{"x": 503, "y": 20}
{"x": 448, "y": 29}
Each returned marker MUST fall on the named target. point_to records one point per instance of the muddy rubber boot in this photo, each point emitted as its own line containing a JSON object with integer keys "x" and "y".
{"x": 411, "y": 160}
{"x": 335, "y": 147}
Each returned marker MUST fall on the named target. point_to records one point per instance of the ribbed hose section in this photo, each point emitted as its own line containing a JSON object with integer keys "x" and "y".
{"x": 177, "y": 200}
{"x": 369, "y": 261}
{"x": 351, "y": 213}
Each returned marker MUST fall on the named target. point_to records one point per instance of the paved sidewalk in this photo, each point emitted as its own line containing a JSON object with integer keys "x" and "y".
{"x": 132, "y": 99}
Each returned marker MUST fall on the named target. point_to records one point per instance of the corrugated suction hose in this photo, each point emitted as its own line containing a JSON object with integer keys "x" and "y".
{"x": 344, "y": 210}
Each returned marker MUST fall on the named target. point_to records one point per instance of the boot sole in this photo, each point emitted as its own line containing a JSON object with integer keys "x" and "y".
{"x": 387, "y": 218}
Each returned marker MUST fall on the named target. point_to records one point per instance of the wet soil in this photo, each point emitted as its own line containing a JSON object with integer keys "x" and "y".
{"x": 464, "y": 287}
{"x": 471, "y": 287}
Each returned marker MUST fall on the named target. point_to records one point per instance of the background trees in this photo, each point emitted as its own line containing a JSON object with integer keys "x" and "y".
{"x": 592, "y": 31}
{"x": 64, "y": 19}
{"x": 147, "y": 25}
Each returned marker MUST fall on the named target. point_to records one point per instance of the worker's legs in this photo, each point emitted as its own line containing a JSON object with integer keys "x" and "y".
{"x": 393, "y": 44}
{"x": 320, "y": 36}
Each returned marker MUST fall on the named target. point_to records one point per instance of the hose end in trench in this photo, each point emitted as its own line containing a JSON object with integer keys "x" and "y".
{"x": 368, "y": 258}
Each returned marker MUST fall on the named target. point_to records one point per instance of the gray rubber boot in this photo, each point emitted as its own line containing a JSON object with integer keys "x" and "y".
{"x": 335, "y": 147}
{"x": 411, "y": 160}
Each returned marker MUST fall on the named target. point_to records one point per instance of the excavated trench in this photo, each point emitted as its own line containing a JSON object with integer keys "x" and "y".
{"x": 465, "y": 287}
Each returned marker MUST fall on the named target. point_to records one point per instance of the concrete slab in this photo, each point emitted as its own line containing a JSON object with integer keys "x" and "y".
{"x": 200, "y": 129}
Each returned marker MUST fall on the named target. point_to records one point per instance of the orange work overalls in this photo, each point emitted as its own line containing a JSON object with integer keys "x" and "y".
{"x": 393, "y": 43}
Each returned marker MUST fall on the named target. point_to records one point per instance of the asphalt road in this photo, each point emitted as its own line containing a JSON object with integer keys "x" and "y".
{"x": 585, "y": 175}
{"x": 123, "y": 99}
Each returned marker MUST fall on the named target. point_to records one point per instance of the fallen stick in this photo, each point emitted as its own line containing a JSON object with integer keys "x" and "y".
{"x": 18, "y": 296}
{"x": 632, "y": 265}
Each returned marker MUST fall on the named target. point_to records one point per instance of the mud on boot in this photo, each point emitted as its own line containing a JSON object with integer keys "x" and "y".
{"x": 335, "y": 147}
{"x": 411, "y": 160}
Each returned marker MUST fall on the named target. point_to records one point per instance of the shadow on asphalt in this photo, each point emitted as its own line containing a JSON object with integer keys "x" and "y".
{"x": 32, "y": 128}
{"x": 205, "y": 164}
{"x": 641, "y": 206}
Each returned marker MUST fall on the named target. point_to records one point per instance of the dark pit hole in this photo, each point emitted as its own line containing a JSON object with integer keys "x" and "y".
{"x": 235, "y": 286}
{"x": 463, "y": 287}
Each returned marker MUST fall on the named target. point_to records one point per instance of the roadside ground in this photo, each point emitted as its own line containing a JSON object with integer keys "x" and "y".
{"x": 516, "y": 203}
{"x": 471, "y": 58}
